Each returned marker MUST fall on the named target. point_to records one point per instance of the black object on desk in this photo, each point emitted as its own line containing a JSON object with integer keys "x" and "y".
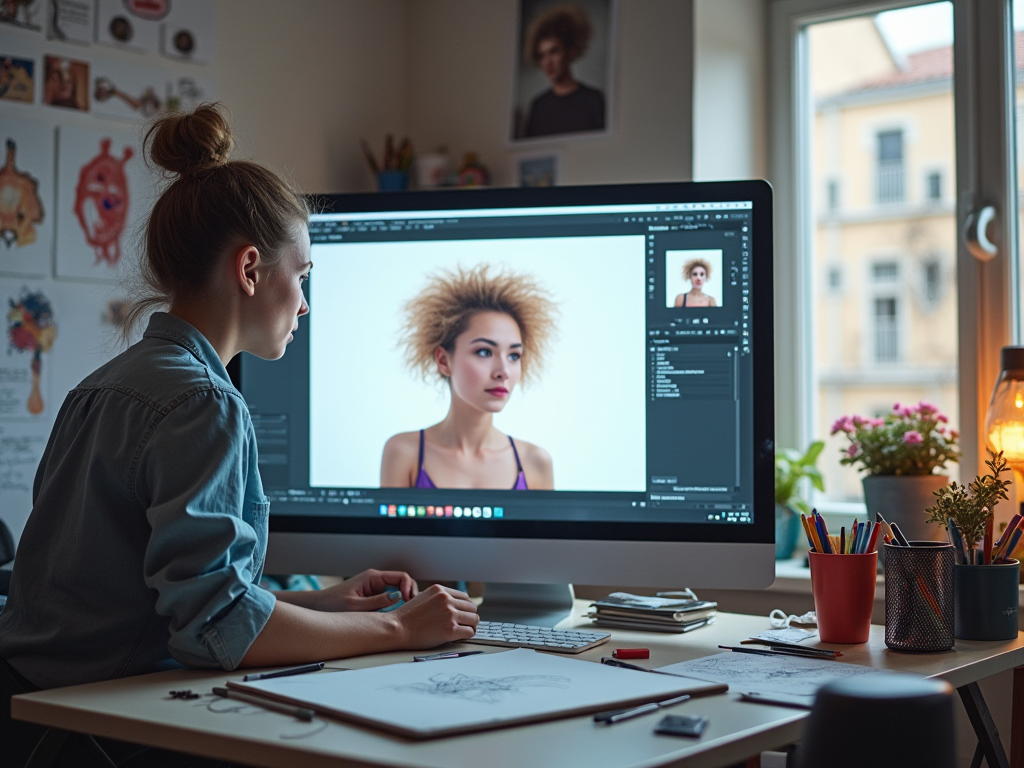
{"x": 682, "y": 725}
{"x": 316, "y": 667}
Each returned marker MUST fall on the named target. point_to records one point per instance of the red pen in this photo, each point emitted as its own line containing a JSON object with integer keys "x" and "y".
{"x": 873, "y": 541}
{"x": 631, "y": 653}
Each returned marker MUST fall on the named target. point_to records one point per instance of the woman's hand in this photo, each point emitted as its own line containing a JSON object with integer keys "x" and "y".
{"x": 367, "y": 591}
{"x": 436, "y": 616}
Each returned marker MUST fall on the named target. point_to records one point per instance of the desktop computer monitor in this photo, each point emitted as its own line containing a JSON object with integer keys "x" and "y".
{"x": 649, "y": 427}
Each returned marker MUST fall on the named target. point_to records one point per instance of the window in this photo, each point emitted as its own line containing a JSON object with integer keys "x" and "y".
{"x": 833, "y": 195}
{"x": 889, "y": 182}
{"x": 933, "y": 187}
{"x": 886, "y": 272}
{"x": 835, "y": 279}
{"x": 932, "y": 290}
{"x": 886, "y": 331}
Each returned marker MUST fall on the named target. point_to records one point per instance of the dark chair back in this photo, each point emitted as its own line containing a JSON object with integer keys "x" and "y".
{"x": 6, "y": 544}
{"x": 883, "y": 721}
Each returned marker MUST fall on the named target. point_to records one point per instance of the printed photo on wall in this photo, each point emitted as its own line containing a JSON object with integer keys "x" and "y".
{"x": 27, "y": 14}
{"x": 17, "y": 79}
{"x": 189, "y": 30}
{"x": 131, "y": 24}
{"x": 537, "y": 170}
{"x": 26, "y": 197}
{"x": 129, "y": 93}
{"x": 31, "y": 330}
{"x": 564, "y": 69}
{"x": 103, "y": 191}
{"x": 70, "y": 21}
{"x": 66, "y": 83}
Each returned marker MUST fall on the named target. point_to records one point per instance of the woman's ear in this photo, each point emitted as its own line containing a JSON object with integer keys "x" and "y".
{"x": 443, "y": 363}
{"x": 248, "y": 268}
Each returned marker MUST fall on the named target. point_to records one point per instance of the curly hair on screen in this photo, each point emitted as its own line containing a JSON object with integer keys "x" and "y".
{"x": 568, "y": 24}
{"x": 692, "y": 264}
{"x": 443, "y": 310}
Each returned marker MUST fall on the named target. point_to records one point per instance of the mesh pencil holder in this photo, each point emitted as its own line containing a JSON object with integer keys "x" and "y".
{"x": 919, "y": 597}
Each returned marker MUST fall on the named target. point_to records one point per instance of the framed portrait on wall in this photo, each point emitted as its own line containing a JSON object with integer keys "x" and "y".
{"x": 563, "y": 74}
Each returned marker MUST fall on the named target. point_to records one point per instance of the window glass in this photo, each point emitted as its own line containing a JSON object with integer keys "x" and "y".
{"x": 1018, "y": 46}
{"x": 881, "y": 100}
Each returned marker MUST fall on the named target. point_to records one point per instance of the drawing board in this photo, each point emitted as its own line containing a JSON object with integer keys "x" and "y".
{"x": 492, "y": 690}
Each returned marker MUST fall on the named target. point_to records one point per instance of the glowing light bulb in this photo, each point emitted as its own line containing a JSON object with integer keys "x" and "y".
{"x": 1018, "y": 400}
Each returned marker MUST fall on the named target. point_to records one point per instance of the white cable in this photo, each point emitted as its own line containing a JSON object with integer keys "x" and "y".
{"x": 779, "y": 620}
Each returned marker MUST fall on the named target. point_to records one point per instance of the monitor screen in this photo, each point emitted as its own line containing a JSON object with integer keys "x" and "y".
{"x": 636, "y": 374}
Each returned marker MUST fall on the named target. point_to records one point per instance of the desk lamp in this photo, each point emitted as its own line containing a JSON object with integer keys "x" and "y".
{"x": 1004, "y": 422}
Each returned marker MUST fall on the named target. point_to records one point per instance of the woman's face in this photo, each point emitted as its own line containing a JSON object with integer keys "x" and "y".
{"x": 553, "y": 58}
{"x": 486, "y": 363}
{"x": 697, "y": 277}
{"x": 283, "y": 302}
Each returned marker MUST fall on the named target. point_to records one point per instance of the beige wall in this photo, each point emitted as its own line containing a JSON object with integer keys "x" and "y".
{"x": 460, "y": 75}
{"x": 306, "y": 80}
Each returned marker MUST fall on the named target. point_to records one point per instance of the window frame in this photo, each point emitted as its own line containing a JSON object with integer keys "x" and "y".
{"x": 984, "y": 111}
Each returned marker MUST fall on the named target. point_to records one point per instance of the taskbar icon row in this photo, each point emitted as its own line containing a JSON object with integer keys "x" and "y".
{"x": 410, "y": 510}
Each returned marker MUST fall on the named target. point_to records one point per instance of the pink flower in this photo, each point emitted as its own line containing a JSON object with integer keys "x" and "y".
{"x": 906, "y": 411}
{"x": 912, "y": 437}
{"x": 877, "y": 422}
{"x": 897, "y": 408}
{"x": 925, "y": 408}
{"x": 853, "y": 450}
{"x": 842, "y": 424}
{"x": 859, "y": 421}
{"x": 942, "y": 418}
{"x": 953, "y": 434}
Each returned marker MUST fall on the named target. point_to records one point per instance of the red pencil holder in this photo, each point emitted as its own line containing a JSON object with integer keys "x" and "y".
{"x": 844, "y": 595}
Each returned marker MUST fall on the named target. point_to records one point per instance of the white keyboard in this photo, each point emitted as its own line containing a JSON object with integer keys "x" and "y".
{"x": 539, "y": 638}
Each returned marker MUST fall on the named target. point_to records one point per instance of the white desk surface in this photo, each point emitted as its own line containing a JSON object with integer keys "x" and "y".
{"x": 139, "y": 709}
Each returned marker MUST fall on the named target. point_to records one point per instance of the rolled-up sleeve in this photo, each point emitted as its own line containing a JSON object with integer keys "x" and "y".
{"x": 191, "y": 479}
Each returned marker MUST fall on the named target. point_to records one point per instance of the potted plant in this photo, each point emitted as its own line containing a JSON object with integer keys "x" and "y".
{"x": 984, "y": 581}
{"x": 901, "y": 453}
{"x": 791, "y": 468}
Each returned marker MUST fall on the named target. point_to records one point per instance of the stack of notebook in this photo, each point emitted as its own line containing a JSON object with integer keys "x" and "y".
{"x": 655, "y": 614}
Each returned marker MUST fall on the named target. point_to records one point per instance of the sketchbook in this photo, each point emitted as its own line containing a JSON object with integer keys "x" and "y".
{"x": 493, "y": 690}
{"x": 746, "y": 672}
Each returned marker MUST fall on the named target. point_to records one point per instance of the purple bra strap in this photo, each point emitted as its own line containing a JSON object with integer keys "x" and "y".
{"x": 519, "y": 465}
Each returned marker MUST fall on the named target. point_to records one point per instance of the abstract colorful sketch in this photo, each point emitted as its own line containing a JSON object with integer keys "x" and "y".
{"x": 30, "y": 328}
{"x": 101, "y": 202}
{"x": 20, "y": 208}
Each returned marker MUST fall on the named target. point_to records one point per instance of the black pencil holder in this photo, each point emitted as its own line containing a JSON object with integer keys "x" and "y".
{"x": 919, "y": 597}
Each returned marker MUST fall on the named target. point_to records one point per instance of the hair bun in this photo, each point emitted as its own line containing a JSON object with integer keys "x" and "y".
{"x": 190, "y": 142}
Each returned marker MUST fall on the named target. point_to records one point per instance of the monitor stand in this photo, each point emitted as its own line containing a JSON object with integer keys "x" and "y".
{"x": 542, "y": 605}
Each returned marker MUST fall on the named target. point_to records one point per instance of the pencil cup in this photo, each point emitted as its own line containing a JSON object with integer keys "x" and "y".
{"x": 392, "y": 181}
{"x": 986, "y": 601}
{"x": 919, "y": 597}
{"x": 844, "y": 594}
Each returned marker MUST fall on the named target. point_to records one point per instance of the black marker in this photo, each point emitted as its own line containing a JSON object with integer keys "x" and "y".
{"x": 446, "y": 655}
{"x": 285, "y": 672}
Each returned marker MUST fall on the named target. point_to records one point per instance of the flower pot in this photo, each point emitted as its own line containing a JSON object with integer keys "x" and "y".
{"x": 787, "y": 531}
{"x": 986, "y": 601}
{"x": 903, "y": 499}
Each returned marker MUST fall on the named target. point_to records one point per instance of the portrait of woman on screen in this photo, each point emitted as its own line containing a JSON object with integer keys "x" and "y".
{"x": 697, "y": 272}
{"x": 483, "y": 333}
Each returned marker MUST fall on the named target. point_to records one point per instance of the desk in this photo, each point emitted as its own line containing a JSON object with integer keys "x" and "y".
{"x": 138, "y": 709}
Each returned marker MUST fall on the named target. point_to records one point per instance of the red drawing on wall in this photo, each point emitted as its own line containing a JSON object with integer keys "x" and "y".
{"x": 153, "y": 10}
{"x": 101, "y": 202}
{"x": 20, "y": 208}
{"x": 30, "y": 328}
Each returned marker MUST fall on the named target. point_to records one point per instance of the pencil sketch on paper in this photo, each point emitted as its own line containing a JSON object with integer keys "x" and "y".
{"x": 482, "y": 690}
{"x": 768, "y": 674}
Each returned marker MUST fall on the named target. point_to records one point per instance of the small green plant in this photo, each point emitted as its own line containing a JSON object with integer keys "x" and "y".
{"x": 972, "y": 506}
{"x": 791, "y": 467}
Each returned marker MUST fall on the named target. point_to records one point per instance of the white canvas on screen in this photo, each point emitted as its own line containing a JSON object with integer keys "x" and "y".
{"x": 103, "y": 195}
{"x": 587, "y": 409}
{"x": 27, "y": 201}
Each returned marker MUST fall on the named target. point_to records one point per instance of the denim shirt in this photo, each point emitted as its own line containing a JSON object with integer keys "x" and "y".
{"x": 149, "y": 523}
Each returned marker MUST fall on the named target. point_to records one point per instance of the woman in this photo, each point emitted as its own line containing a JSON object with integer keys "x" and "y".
{"x": 482, "y": 334}
{"x": 555, "y": 40}
{"x": 148, "y": 531}
{"x": 697, "y": 271}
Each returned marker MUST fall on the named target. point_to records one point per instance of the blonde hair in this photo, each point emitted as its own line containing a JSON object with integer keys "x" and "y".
{"x": 569, "y": 24}
{"x": 439, "y": 314}
{"x": 692, "y": 264}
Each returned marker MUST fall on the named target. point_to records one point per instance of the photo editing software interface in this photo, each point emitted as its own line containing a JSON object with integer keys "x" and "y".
{"x": 644, "y": 402}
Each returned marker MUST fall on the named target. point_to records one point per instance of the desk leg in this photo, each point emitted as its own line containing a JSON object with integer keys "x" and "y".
{"x": 984, "y": 727}
{"x": 1017, "y": 720}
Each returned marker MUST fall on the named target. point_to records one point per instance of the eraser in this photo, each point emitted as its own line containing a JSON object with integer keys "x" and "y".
{"x": 631, "y": 653}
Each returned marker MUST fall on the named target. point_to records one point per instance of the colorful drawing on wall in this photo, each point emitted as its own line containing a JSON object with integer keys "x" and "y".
{"x": 187, "y": 92}
{"x": 130, "y": 93}
{"x": 132, "y": 24}
{"x": 26, "y": 197}
{"x": 103, "y": 191}
{"x": 537, "y": 171}
{"x": 66, "y": 83}
{"x": 17, "y": 79}
{"x": 102, "y": 199}
{"x": 563, "y": 78}
{"x": 26, "y": 14}
{"x": 189, "y": 31}
{"x": 31, "y": 328}
{"x": 70, "y": 21}
{"x": 20, "y": 207}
